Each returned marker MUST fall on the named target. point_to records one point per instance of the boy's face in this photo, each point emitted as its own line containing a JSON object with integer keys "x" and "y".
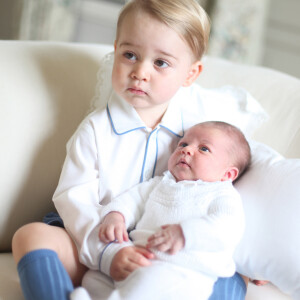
{"x": 151, "y": 63}
{"x": 203, "y": 153}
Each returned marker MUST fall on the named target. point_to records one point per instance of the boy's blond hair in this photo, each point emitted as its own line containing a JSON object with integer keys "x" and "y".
{"x": 186, "y": 17}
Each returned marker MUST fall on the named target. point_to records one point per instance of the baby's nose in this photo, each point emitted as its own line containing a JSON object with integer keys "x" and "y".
{"x": 188, "y": 150}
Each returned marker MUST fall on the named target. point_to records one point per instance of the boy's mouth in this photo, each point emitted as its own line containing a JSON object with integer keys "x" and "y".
{"x": 137, "y": 91}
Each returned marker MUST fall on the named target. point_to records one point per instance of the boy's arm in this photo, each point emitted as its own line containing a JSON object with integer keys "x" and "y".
{"x": 77, "y": 195}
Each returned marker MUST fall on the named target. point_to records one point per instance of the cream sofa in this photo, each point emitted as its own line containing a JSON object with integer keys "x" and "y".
{"x": 45, "y": 91}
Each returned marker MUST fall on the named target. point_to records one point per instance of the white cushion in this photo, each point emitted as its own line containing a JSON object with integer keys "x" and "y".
{"x": 270, "y": 248}
{"x": 278, "y": 93}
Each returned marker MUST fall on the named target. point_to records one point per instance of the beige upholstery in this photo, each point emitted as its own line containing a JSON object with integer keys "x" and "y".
{"x": 45, "y": 91}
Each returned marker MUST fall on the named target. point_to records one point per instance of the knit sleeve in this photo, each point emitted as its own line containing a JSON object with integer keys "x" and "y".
{"x": 220, "y": 230}
{"x": 131, "y": 203}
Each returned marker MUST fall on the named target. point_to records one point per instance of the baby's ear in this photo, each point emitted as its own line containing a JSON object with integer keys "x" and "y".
{"x": 193, "y": 74}
{"x": 231, "y": 174}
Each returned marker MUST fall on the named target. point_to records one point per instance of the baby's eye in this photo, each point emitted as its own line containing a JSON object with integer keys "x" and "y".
{"x": 130, "y": 55}
{"x": 204, "y": 149}
{"x": 161, "y": 63}
{"x": 182, "y": 145}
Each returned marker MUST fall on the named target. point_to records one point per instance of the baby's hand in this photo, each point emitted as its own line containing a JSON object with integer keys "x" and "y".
{"x": 169, "y": 239}
{"x": 129, "y": 259}
{"x": 113, "y": 228}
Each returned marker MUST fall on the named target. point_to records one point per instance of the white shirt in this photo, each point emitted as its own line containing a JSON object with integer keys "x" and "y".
{"x": 111, "y": 151}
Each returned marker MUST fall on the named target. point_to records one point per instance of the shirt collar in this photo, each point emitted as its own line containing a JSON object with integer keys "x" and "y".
{"x": 124, "y": 117}
{"x": 172, "y": 119}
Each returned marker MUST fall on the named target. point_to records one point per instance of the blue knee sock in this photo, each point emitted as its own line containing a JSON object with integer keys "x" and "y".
{"x": 43, "y": 276}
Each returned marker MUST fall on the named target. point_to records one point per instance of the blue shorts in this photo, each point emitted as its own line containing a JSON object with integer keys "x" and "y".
{"x": 231, "y": 288}
{"x": 53, "y": 219}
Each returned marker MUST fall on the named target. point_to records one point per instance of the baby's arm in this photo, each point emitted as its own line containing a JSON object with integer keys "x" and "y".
{"x": 113, "y": 228}
{"x": 169, "y": 239}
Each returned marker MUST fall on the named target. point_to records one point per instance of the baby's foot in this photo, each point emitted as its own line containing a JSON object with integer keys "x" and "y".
{"x": 259, "y": 282}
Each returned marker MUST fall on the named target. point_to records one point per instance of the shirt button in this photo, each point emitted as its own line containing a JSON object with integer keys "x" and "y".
{"x": 148, "y": 174}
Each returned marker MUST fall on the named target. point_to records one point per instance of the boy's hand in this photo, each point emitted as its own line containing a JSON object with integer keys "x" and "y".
{"x": 129, "y": 259}
{"x": 169, "y": 239}
{"x": 113, "y": 228}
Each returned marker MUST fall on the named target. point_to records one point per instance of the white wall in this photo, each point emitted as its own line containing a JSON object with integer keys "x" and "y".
{"x": 96, "y": 24}
{"x": 6, "y": 14}
{"x": 281, "y": 42}
{"x": 282, "y": 37}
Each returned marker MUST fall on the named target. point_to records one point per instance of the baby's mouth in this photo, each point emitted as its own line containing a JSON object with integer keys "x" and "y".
{"x": 182, "y": 162}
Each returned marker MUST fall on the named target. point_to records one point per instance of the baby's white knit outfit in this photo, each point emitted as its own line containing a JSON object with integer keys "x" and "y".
{"x": 212, "y": 219}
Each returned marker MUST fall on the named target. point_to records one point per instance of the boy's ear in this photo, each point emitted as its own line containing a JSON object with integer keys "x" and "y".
{"x": 230, "y": 174}
{"x": 115, "y": 45}
{"x": 193, "y": 74}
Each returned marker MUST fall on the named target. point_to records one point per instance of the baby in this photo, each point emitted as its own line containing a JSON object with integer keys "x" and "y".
{"x": 192, "y": 211}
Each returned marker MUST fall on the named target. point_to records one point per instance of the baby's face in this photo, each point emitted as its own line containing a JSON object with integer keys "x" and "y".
{"x": 151, "y": 62}
{"x": 203, "y": 153}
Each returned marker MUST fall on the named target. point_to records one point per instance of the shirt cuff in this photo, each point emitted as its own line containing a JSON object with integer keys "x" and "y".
{"x": 108, "y": 253}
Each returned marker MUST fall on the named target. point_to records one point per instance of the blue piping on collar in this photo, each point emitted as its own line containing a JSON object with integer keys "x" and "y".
{"x": 156, "y": 142}
{"x": 178, "y": 135}
{"x": 145, "y": 155}
{"x": 113, "y": 127}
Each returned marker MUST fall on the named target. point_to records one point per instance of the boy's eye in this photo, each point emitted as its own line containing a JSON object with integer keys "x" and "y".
{"x": 204, "y": 149}
{"x": 130, "y": 56}
{"x": 161, "y": 63}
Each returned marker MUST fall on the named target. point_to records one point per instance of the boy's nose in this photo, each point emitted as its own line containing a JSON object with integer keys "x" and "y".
{"x": 140, "y": 72}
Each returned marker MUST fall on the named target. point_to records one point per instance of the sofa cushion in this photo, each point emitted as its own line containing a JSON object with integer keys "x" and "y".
{"x": 266, "y": 292}
{"x": 45, "y": 92}
{"x": 10, "y": 288}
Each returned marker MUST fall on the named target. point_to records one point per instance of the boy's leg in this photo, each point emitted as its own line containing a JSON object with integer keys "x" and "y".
{"x": 42, "y": 276}
{"x": 231, "y": 288}
{"x": 31, "y": 249}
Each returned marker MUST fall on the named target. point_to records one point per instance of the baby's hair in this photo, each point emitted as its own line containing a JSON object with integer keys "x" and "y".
{"x": 186, "y": 17}
{"x": 240, "y": 150}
